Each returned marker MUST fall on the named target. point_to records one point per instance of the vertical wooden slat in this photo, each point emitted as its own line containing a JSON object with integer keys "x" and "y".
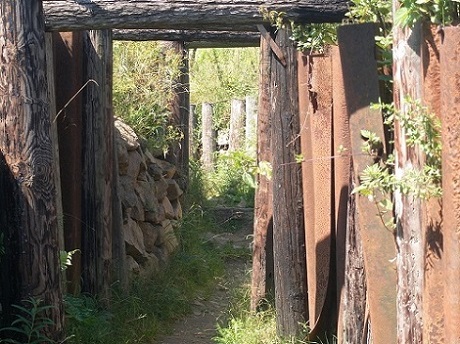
{"x": 262, "y": 283}
{"x": 28, "y": 219}
{"x": 98, "y": 161}
{"x": 68, "y": 68}
{"x": 288, "y": 228}
{"x": 450, "y": 108}
{"x": 359, "y": 68}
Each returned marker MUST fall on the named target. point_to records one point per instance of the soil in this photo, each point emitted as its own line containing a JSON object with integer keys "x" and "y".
{"x": 199, "y": 327}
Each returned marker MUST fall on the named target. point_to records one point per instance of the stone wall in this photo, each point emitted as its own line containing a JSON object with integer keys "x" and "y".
{"x": 151, "y": 205}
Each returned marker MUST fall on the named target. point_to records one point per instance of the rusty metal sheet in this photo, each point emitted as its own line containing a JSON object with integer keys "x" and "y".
{"x": 356, "y": 44}
{"x": 433, "y": 311}
{"x": 316, "y": 137}
{"x": 450, "y": 108}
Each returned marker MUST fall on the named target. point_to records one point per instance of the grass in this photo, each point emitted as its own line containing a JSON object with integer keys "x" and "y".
{"x": 153, "y": 303}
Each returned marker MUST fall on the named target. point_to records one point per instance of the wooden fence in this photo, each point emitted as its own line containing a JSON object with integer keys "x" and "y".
{"x": 365, "y": 283}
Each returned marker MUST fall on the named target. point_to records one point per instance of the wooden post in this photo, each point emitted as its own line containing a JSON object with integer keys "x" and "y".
{"x": 288, "y": 227}
{"x": 237, "y": 120}
{"x": 97, "y": 165}
{"x": 68, "y": 66}
{"x": 450, "y": 107}
{"x": 207, "y": 137}
{"x": 232, "y": 15}
{"x": 407, "y": 83}
{"x": 251, "y": 120}
{"x": 262, "y": 281}
{"x": 28, "y": 222}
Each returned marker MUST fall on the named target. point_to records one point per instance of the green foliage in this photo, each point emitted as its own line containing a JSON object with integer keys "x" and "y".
{"x": 65, "y": 258}
{"x": 314, "y": 37}
{"x": 378, "y": 182}
{"x": 442, "y": 12}
{"x": 30, "y": 323}
{"x": 233, "y": 179}
{"x": 152, "y": 302}
{"x": 143, "y": 80}
{"x": 219, "y": 75}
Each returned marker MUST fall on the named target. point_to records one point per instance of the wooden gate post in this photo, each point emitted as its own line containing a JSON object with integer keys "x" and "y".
{"x": 97, "y": 165}
{"x": 237, "y": 120}
{"x": 262, "y": 283}
{"x": 407, "y": 87}
{"x": 28, "y": 223}
{"x": 288, "y": 225}
{"x": 208, "y": 142}
{"x": 450, "y": 107}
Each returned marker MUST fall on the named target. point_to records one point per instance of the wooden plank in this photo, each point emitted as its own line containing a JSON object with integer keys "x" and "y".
{"x": 407, "y": 87}
{"x": 208, "y": 141}
{"x": 28, "y": 218}
{"x": 68, "y": 49}
{"x": 97, "y": 166}
{"x": 262, "y": 281}
{"x": 237, "y": 120}
{"x": 232, "y": 15}
{"x": 288, "y": 226}
{"x": 450, "y": 107}
{"x": 359, "y": 68}
{"x": 192, "y": 38}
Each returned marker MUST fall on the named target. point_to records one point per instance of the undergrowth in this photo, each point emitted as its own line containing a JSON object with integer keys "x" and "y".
{"x": 153, "y": 303}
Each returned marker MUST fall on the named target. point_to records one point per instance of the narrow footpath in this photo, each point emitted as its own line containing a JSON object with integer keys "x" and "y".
{"x": 199, "y": 327}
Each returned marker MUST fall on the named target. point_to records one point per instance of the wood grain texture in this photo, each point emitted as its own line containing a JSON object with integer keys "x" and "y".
{"x": 67, "y": 15}
{"x": 407, "y": 87}
{"x": 262, "y": 283}
{"x": 29, "y": 220}
{"x": 288, "y": 224}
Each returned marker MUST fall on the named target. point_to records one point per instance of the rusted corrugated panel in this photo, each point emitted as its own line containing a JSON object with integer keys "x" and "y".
{"x": 450, "y": 107}
{"x": 351, "y": 284}
{"x": 316, "y": 138}
{"x": 356, "y": 43}
{"x": 433, "y": 319}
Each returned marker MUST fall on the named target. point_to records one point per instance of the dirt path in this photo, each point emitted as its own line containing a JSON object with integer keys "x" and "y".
{"x": 200, "y": 326}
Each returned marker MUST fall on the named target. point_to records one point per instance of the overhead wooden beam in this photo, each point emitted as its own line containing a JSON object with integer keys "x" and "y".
{"x": 232, "y": 15}
{"x": 192, "y": 38}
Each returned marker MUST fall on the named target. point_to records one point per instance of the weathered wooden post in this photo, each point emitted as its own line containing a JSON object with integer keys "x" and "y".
{"x": 97, "y": 165}
{"x": 68, "y": 66}
{"x": 208, "y": 143}
{"x": 450, "y": 108}
{"x": 262, "y": 281}
{"x": 288, "y": 225}
{"x": 28, "y": 223}
{"x": 407, "y": 83}
{"x": 250, "y": 126}
{"x": 237, "y": 120}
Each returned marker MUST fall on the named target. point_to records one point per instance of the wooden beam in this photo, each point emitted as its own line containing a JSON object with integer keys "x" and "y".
{"x": 233, "y": 15}
{"x": 192, "y": 38}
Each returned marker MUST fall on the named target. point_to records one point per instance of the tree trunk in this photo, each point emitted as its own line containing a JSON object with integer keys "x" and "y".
{"x": 450, "y": 106}
{"x": 407, "y": 83}
{"x": 207, "y": 137}
{"x": 237, "y": 120}
{"x": 28, "y": 223}
{"x": 68, "y": 66}
{"x": 262, "y": 281}
{"x": 193, "y": 38}
{"x": 97, "y": 165}
{"x": 68, "y": 15}
{"x": 288, "y": 227}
